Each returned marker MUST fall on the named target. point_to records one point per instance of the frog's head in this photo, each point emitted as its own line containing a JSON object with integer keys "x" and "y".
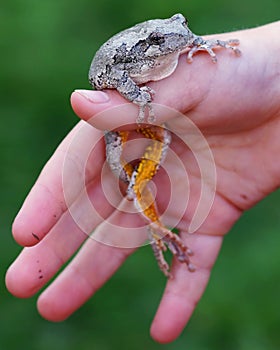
{"x": 169, "y": 35}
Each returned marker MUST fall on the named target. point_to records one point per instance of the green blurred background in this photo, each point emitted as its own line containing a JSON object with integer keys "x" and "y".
{"x": 46, "y": 49}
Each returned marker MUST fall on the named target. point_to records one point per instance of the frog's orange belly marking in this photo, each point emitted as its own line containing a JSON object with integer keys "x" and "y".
{"x": 137, "y": 179}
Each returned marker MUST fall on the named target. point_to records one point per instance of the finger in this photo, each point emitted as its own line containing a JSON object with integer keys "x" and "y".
{"x": 46, "y": 202}
{"x": 116, "y": 113}
{"x": 110, "y": 114}
{"x": 78, "y": 282}
{"x": 92, "y": 267}
{"x": 36, "y": 265}
{"x": 183, "y": 292}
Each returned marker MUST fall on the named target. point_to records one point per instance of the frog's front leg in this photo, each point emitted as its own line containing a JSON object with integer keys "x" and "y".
{"x": 141, "y": 96}
{"x": 200, "y": 44}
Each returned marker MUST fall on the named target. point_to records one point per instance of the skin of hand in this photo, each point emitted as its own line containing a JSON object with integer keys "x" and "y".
{"x": 236, "y": 105}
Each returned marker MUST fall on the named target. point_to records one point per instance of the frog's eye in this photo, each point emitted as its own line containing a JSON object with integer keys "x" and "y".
{"x": 156, "y": 38}
{"x": 185, "y": 22}
{"x": 180, "y": 18}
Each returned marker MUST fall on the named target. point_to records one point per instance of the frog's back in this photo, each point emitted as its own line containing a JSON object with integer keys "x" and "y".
{"x": 128, "y": 50}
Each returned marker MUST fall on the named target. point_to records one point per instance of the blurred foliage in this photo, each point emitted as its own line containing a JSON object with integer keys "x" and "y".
{"x": 46, "y": 48}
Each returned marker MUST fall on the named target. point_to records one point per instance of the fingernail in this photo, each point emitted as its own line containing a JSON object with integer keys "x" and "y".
{"x": 94, "y": 96}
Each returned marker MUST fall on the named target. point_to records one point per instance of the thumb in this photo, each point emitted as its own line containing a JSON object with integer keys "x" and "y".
{"x": 105, "y": 110}
{"x": 108, "y": 110}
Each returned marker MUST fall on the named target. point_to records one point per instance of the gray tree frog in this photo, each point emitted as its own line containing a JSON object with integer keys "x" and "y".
{"x": 148, "y": 51}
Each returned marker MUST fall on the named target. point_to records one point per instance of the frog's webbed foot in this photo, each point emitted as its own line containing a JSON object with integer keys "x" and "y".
{"x": 158, "y": 249}
{"x": 199, "y": 44}
{"x": 161, "y": 239}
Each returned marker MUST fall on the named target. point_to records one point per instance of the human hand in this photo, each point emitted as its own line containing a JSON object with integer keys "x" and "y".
{"x": 234, "y": 103}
